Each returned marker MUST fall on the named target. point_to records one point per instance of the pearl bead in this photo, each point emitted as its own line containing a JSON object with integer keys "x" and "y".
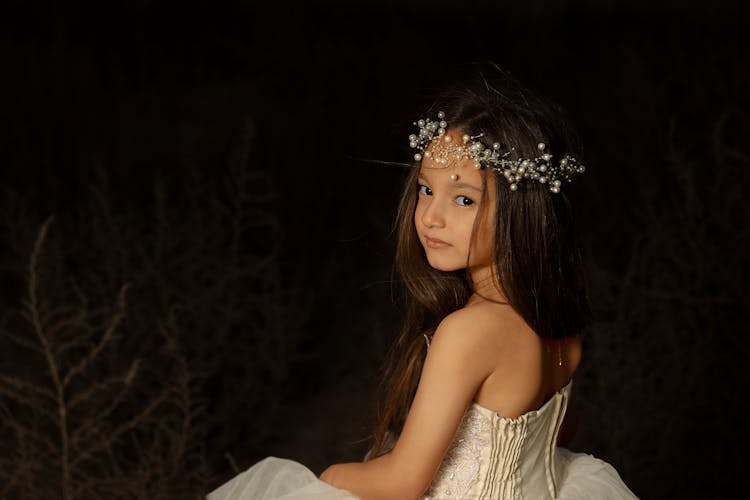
{"x": 417, "y": 156}
{"x": 441, "y": 115}
{"x": 477, "y": 165}
{"x": 448, "y": 138}
{"x": 513, "y": 187}
{"x": 496, "y": 145}
{"x": 454, "y": 177}
{"x": 420, "y": 123}
{"x": 541, "y": 146}
{"x": 466, "y": 138}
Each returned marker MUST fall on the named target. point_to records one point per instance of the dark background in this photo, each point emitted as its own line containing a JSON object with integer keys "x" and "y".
{"x": 217, "y": 159}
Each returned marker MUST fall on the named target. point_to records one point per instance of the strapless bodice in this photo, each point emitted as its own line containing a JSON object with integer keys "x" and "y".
{"x": 498, "y": 457}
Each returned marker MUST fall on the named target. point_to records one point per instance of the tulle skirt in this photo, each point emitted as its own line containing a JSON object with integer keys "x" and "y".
{"x": 584, "y": 477}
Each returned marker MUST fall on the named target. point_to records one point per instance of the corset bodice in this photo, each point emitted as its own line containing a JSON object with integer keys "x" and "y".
{"x": 503, "y": 458}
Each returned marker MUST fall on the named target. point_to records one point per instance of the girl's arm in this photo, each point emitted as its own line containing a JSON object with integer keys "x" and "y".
{"x": 457, "y": 362}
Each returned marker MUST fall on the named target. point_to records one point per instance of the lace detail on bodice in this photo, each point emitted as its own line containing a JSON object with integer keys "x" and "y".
{"x": 502, "y": 458}
{"x": 459, "y": 470}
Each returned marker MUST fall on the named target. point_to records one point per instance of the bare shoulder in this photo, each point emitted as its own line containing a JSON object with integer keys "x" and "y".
{"x": 482, "y": 329}
{"x": 488, "y": 319}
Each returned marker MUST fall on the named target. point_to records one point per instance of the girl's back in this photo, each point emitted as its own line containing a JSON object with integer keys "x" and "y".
{"x": 526, "y": 369}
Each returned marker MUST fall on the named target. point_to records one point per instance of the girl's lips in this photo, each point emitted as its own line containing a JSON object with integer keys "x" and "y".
{"x": 435, "y": 243}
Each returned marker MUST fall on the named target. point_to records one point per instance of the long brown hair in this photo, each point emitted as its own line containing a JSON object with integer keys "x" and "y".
{"x": 538, "y": 263}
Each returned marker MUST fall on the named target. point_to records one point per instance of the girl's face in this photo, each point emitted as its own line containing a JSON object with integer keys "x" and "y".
{"x": 447, "y": 206}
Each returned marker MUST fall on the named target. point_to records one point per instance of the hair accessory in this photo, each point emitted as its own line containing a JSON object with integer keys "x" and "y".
{"x": 540, "y": 169}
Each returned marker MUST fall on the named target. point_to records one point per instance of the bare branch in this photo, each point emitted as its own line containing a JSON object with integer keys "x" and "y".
{"x": 106, "y": 386}
{"x": 115, "y": 434}
{"x": 109, "y": 332}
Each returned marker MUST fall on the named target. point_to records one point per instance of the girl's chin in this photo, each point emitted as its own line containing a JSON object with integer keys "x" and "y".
{"x": 443, "y": 265}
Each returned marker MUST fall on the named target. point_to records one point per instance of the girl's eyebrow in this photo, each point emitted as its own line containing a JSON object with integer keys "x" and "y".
{"x": 454, "y": 185}
{"x": 464, "y": 185}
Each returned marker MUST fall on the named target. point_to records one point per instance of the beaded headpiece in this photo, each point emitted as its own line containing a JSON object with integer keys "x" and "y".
{"x": 540, "y": 169}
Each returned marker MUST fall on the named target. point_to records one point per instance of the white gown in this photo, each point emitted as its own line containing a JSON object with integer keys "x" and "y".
{"x": 491, "y": 457}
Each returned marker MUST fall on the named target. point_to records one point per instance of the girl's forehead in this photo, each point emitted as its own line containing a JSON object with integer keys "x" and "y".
{"x": 456, "y": 173}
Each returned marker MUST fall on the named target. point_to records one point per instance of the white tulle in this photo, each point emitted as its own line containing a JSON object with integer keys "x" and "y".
{"x": 583, "y": 477}
{"x": 279, "y": 479}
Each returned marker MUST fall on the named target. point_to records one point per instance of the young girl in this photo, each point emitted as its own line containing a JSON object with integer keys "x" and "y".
{"x": 479, "y": 381}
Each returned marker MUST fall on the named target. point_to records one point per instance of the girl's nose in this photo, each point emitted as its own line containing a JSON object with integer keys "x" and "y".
{"x": 433, "y": 215}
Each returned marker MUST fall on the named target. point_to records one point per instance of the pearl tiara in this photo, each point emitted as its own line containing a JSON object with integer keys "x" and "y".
{"x": 540, "y": 169}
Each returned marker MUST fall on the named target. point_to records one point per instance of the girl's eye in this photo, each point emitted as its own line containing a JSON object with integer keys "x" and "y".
{"x": 424, "y": 189}
{"x": 464, "y": 201}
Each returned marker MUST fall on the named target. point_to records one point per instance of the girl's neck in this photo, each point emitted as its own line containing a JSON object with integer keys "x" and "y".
{"x": 486, "y": 287}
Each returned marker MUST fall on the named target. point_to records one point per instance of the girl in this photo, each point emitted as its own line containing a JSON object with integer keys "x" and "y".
{"x": 479, "y": 381}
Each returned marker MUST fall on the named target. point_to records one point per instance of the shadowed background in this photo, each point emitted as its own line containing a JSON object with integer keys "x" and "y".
{"x": 216, "y": 277}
